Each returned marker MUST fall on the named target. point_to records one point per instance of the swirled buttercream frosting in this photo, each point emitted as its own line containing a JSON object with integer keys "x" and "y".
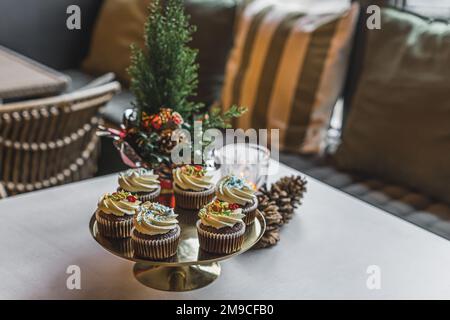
{"x": 235, "y": 190}
{"x": 119, "y": 203}
{"x": 154, "y": 218}
{"x": 219, "y": 214}
{"x": 192, "y": 177}
{"x": 138, "y": 180}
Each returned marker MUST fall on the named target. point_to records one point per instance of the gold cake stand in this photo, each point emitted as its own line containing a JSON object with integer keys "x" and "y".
{"x": 191, "y": 268}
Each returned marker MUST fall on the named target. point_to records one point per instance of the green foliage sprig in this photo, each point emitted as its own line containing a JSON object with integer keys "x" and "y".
{"x": 215, "y": 118}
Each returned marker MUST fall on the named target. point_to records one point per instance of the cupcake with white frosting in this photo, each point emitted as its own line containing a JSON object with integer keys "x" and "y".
{"x": 220, "y": 228}
{"x": 142, "y": 183}
{"x": 237, "y": 191}
{"x": 192, "y": 186}
{"x": 115, "y": 213}
{"x": 156, "y": 232}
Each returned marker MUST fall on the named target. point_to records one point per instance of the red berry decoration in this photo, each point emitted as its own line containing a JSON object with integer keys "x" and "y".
{"x": 146, "y": 124}
{"x": 234, "y": 206}
{"x": 156, "y": 122}
{"x": 131, "y": 199}
{"x": 177, "y": 118}
{"x": 123, "y": 133}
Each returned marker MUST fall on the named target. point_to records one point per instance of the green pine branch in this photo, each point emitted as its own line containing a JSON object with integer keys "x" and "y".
{"x": 215, "y": 118}
{"x": 165, "y": 74}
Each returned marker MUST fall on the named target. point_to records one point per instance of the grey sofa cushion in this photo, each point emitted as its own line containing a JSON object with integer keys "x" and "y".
{"x": 405, "y": 203}
{"x": 37, "y": 29}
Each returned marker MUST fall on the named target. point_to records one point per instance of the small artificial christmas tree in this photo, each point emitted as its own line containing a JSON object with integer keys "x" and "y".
{"x": 164, "y": 76}
{"x": 166, "y": 73}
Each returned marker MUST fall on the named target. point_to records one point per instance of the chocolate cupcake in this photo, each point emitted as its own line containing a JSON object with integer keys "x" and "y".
{"x": 237, "y": 191}
{"x": 220, "y": 228}
{"x": 114, "y": 214}
{"x": 192, "y": 186}
{"x": 142, "y": 183}
{"x": 156, "y": 232}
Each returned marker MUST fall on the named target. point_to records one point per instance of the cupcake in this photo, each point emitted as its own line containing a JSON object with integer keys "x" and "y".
{"x": 237, "y": 191}
{"x": 114, "y": 214}
{"x": 156, "y": 232}
{"x": 142, "y": 183}
{"x": 220, "y": 228}
{"x": 192, "y": 187}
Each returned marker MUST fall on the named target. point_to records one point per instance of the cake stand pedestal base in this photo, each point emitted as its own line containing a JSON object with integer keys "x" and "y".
{"x": 191, "y": 268}
{"x": 179, "y": 278}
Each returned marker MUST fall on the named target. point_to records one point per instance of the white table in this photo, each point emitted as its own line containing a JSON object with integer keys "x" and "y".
{"x": 324, "y": 252}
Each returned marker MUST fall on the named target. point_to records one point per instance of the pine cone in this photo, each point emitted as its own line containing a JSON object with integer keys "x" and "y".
{"x": 273, "y": 218}
{"x": 165, "y": 143}
{"x": 287, "y": 193}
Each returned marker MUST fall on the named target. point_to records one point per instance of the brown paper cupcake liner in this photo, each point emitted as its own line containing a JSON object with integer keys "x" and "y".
{"x": 152, "y": 196}
{"x": 250, "y": 213}
{"x": 124, "y": 246}
{"x": 220, "y": 243}
{"x": 155, "y": 249}
{"x": 192, "y": 199}
{"x": 114, "y": 229}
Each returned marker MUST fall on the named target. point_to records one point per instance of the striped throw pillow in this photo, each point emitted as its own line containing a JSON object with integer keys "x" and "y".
{"x": 287, "y": 67}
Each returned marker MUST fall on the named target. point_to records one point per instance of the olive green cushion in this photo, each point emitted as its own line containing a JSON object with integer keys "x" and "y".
{"x": 399, "y": 123}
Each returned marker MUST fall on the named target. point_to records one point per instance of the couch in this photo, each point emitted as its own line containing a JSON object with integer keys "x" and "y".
{"x": 38, "y": 35}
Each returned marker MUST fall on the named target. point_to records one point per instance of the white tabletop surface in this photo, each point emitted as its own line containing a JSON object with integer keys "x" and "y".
{"x": 324, "y": 252}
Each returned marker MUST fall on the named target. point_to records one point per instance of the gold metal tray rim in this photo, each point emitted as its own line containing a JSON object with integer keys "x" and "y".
{"x": 247, "y": 246}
